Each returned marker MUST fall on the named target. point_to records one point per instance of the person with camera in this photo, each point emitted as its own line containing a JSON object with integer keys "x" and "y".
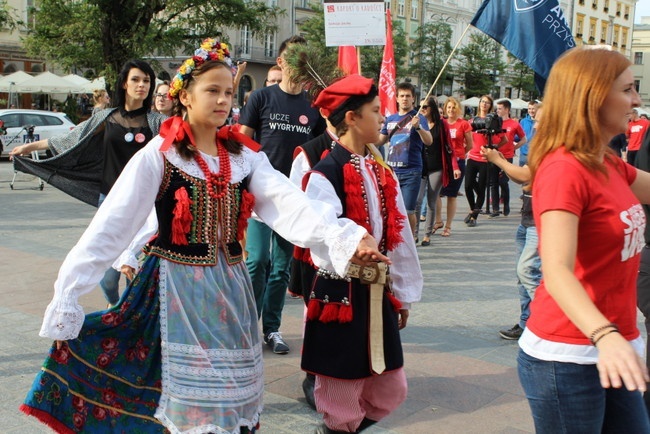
{"x": 500, "y": 188}
{"x": 486, "y": 131}
{"x": 528, "y": 124}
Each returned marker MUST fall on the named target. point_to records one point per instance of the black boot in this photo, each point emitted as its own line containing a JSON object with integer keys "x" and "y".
{"x": 365, "y": 423}
{"x": 308, "y": 389}
{"x": 324, "y": 429}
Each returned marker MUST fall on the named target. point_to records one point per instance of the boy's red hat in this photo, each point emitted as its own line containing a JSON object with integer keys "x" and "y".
{"x": 338, "y": 93}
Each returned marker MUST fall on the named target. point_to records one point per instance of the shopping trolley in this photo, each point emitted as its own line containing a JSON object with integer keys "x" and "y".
{"x": 29, "y": 138}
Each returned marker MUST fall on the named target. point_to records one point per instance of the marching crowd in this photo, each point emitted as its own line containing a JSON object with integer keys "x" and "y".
{"x": 314, "y": 190}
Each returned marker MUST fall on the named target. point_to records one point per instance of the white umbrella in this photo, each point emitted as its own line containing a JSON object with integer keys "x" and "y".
{"x": 8, "y": 82}
{"x": 643, "y": 111}
{"x": 97, "y": 83}
{"x": 46, "y": 82}
{"x": 518, "y": 104}
{"x": 76, "y": 79}
{"x": 471, "y": 102}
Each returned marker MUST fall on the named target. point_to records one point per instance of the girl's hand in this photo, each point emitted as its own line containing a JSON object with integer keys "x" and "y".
{"x": 456, "y": 174}
{"x": 129, "y": 272}
{"x": 403, "y": 318}
{"x": 618, "y": 364}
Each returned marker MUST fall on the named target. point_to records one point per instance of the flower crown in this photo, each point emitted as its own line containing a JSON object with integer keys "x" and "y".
{"x": 210, "y": 49}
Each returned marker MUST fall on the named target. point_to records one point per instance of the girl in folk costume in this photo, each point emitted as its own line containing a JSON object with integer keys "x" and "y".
{"x": 181, "y": 351}
{"x": 355, "y": 389}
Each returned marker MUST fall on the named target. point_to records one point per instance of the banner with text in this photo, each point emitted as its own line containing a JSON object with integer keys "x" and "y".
{"x": 354, "y": 23}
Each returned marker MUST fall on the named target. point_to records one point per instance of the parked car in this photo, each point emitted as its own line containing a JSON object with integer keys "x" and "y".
{"x": 23, "y": 125}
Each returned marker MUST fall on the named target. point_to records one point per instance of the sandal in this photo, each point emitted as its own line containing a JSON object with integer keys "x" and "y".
{"x": 446, "y": 232}
{"x": 436, "y": 226}
{"x": 426, "y": 242}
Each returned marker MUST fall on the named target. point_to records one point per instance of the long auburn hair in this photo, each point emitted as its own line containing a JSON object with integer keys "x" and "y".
{"x": 185, "y": 148}
{"x": 575, "y": 91}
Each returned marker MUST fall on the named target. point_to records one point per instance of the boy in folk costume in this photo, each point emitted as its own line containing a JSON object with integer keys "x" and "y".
{"x": 355, "y": 389}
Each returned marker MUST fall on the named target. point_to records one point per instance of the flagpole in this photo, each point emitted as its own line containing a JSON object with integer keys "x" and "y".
{"x": 447, "y": 62}
{"x": 359, "y": 59}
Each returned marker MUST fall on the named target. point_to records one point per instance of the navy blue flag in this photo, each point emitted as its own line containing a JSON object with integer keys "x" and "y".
{"x": 535, "y": 31}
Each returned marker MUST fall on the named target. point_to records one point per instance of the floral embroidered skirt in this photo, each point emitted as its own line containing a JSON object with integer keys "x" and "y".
{"x": 107, "y": 380}
{"x": 182, "y": 347}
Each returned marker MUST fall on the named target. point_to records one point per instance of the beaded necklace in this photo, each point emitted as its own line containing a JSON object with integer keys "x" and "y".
{"x": 216, "y": 183}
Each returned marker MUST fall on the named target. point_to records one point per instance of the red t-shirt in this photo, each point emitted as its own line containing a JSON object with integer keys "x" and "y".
{"x": 610, "y": 239}
{"x": 480, "y": 140}
{"x": 513, "y": 129}
{"x": 457, "y": 132}
{"x": 635, "y": 132}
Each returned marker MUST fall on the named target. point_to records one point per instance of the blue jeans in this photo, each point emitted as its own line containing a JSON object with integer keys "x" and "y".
{"x": 409, "y": 183}
{"x": 266, "y": 248}
{"x": 110, "y": 283}
{"x": 567, "y": 398}
{"x": 523, "y": 160}
{"x": 529, "y": 272}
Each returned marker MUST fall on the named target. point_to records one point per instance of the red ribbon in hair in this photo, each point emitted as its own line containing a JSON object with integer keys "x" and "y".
{"x": 175, "y": 129}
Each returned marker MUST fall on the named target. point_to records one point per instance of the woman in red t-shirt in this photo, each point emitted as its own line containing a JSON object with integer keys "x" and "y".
{"x": 580, "y": 360}
{"x": 461, "y": 140}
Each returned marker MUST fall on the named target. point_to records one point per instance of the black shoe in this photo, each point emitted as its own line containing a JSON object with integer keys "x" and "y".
{"x": 495, "y": 214}
{"x": 308, "y": 389}
{"x": 506, "y": 210}
{"x": 365, "y": 423}
{"x": 472, "y": 222}
{"x": 323, "y": 429}
{"x": 275, "y": 341}
{"x": 511, "y": 334}
{"x": 469, "y": 216}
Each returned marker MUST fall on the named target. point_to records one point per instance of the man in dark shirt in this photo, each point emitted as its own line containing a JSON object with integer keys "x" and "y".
{"x": 281, "y": 118}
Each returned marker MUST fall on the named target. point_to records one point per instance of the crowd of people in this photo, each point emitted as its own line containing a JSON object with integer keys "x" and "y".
{"x": 320, "y": 194}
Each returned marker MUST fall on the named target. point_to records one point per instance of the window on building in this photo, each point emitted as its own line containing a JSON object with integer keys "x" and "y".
{"x": 400, "y": 8}
{"x": 592, "y": 31}
{"x": 603, "y": 32}
{"x": 627, "y": 12}
{"x": 606, "y": 6}
{"x": 637, "y": 85}
{"x": 270, "y": 44}
{"x": 618, "y": 9}
{"x": 638, "y": 58}
{"x": 414, "y": 9}
{"x": 623, "y": 38}
{"x": 30, "y": 16}
{"x": 594, "y": 4}
{"x": 580, "y": 21}
{"x": 386, "y": 5}
{"x": 246, "y": 46}
{"x": 273, "y": 3}
{"x": 581, "y": 2}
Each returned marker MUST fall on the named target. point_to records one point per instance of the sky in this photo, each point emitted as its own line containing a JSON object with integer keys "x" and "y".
{"x": 642, "y": 10}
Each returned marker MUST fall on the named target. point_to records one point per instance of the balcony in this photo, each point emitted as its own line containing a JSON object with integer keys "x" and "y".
{"x": 605, "y": 9}
{"x": 579, "y": 35}
{"x": 626, "y": 16}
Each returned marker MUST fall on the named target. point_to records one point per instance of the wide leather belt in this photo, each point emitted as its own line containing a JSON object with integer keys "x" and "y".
{"x": 375, "y": 276}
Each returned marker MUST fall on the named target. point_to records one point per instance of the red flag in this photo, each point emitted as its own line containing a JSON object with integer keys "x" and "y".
{"x": 387, "y": 74}
{"x": 348, "y": 61}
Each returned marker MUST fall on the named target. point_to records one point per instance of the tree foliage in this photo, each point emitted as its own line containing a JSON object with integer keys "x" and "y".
{"x": 431, "y": 49}
{"x": 371, "y": 56}
{"x": 104, "y": 34}
{"x": 479, "y": 60}
{"x": 522, "y": 78}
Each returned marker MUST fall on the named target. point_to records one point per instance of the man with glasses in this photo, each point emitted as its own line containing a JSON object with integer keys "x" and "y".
{"x": 274, "y": 76}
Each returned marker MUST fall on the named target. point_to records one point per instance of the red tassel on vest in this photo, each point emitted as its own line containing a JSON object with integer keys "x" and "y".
{"x": 182, "y": 217}
{"x": 314, "y": 308}
{"x": 330, "y": 313}
{"x": 245, "y": 211}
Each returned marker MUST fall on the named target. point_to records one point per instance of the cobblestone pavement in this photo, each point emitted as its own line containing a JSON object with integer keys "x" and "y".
{"x": 462, "y": 376}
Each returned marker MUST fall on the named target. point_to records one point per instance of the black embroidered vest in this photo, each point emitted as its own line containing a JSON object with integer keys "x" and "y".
{"x": 203, "y": 238}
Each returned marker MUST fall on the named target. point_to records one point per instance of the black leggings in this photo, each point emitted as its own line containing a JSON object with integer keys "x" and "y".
{"x": 499, "y": 187}
{"x": 475, "y": 182}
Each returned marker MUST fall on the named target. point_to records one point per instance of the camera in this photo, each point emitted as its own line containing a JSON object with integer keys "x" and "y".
{"x": 30, "y": 129}
{"x": 490, "y": 124}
